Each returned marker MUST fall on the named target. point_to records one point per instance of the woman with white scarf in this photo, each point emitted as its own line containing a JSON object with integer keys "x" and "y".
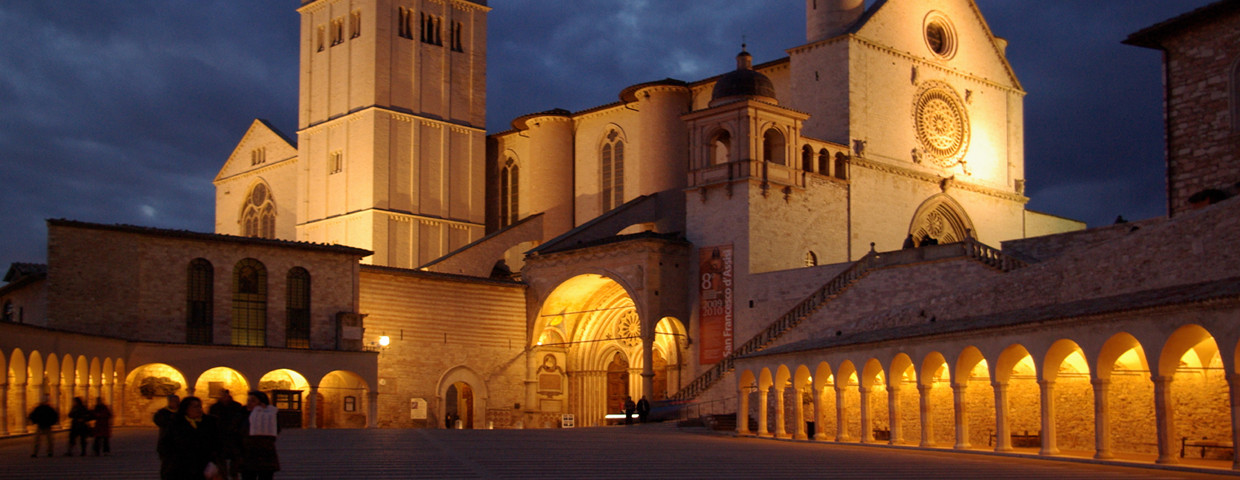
{"x": 259, "y": 460}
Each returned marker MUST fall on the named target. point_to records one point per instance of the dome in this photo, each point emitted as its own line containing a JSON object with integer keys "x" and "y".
{"x": 743, "y": 82}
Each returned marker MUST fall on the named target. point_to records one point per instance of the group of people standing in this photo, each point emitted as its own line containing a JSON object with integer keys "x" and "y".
{"x": 83, "y": 423}
{"x": 230, "y": 440}
{"x": 642, "y": 408}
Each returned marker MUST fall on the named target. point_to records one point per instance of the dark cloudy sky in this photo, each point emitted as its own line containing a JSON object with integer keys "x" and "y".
{"x": 123, "y": 112}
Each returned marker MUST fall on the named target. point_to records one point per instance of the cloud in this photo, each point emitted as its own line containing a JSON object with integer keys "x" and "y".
{"x": 122, "y": 112}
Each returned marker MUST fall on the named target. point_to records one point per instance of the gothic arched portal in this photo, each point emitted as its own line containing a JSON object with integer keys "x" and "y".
{"x": 942, "y": 219}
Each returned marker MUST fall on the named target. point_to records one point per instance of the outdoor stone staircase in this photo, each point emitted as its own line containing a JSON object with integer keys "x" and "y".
{"x": 970, "y": 249}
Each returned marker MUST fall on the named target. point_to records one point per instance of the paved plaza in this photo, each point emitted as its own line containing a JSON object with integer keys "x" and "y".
{"x": 648, "y": 451}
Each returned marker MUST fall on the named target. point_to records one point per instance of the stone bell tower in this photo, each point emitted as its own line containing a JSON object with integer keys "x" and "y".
{"x": 391, "y": 126}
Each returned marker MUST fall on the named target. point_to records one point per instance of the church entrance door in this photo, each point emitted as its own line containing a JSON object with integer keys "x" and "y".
{"x": 460, "y": 405}
{"x": 617, "y": 384}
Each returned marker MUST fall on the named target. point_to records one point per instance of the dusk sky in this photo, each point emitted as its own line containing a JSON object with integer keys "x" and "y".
{"x": 123, "y": 112}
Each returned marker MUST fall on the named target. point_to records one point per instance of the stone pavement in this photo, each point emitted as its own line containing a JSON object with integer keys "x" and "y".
{"x": 647, "y": 451}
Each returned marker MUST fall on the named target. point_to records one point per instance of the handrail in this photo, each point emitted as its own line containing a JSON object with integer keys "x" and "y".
{"x": 971, "y": 249}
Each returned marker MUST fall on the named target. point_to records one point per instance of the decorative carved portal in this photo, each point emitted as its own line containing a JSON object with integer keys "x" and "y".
{"x": 617, "y": 383}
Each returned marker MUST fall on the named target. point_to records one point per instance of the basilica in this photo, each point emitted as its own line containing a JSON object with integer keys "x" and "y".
{"x": 829, "y": 246}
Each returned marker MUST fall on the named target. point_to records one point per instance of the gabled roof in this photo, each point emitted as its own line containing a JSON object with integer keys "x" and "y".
{"x": 257, "y": 127}
{"x": 1152, "y": 36}
{"x": 1007, "y": 66}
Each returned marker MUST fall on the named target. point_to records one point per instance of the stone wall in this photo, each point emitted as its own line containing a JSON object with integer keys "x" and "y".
{"x": 1202, "y": 151}
{"x": 131, "y": 282}
{"x": 434, "y": 338}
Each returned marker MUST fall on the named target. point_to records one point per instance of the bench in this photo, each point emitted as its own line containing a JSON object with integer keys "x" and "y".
{"x": 882, "y": 434}
{"x": 1023, "y": 441}
{"x": 1204, "y": 444}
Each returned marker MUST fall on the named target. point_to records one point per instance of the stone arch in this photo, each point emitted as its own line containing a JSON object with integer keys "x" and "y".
{"x": 81, "y": 381}
{"x": 52, "y": 381}
{"x": 848, "y": 401}
{"x": 942, "y": 218}
{"x": 824, "y": 162}
{"x": 16, "y": 380}
{"x": 720, "y": 147}
{"x": 596, "y": 314}
{"x": 875, "y": 415}
{"x": 824, "y": 397}
{"x": 1018, "y": 402}
{"x": 781, "y": 400}
{"x": 671, "y": 338}
{"x": 210, "y": 385}
{"x": 902, "y": 385}
{"x": 1128, "y": 418}
{"x": 934, "y": 385}
{"x": 807, "y": 158}
{"x": 1066, "y": 370}
{"x": 1190, "y": 367}
{"x": 976, "y": 406}
{"x": 34, "y": 379}
{"x": 145, "y": 389}
{"x": 471, "y": 406}
{"x": 335, "y": 388}
{"x": 774, "y": 145}
{"x": 107, "y": 381}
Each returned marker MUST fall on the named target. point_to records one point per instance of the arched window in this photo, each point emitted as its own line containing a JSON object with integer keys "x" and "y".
{"x": 773, "y": 147}
{"x": 258, "y": 218}
{"x": 841, "y": 166}
{"x": 249, "y": 306}
{"x": 199, "y": 320}
{"x": 613, "y": 171}
{"x": 807, "y": 158}
{"x": 721, "y": 148}
{"x": 811, "y": 259}
{"x": 509, "y": 193}
{"x": 824, "y": 162}
{"x": 297, "y": 332}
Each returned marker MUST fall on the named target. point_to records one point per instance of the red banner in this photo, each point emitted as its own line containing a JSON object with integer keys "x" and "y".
{"x": 715, "y": 304}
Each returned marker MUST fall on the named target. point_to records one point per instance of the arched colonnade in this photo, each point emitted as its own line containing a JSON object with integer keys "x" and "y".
{"x": 1096, "y": 387}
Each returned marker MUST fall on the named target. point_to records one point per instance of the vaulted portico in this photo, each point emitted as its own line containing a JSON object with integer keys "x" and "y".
{"x": 605, "y": 322}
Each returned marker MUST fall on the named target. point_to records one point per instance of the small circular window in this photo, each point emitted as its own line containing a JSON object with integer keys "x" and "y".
{"x": 940, "y": 36}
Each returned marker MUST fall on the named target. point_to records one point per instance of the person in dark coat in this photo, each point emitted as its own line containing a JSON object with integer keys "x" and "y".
{"x": 231, "y": 416}
{"x": 629, "y": 408}
{"x": 103, "y": 428}
{"x": 193, "y": 441}
{"x": 259, "y": 459}
{"x": 163, "y": 419}
{"x": 643, "y": 409}
{"x": 44, "y": 417}
{"x": 79, "y": 425}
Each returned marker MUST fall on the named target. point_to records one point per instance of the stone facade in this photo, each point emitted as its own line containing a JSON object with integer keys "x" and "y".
{"x": 131, "y": 282}
{"x": 1201, "y": 61}
{"x": 445, "y": 329}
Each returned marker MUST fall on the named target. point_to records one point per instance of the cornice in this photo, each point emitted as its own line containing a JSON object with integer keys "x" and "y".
{"x": 268, "y": 167}
{"x": 945, "y": 182}
{"x": 402, "y": 116}
{"x": 398, "y": 216}
{"x": 940, "y": 67}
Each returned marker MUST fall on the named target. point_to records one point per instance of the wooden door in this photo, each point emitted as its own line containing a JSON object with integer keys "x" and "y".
{"x": 617, "y": 384}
